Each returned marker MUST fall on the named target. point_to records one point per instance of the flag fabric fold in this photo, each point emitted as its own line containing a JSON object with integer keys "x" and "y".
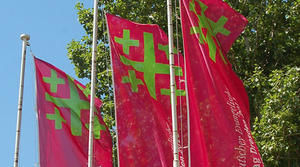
{"x": 219, "y": 109}
{"x": 140, "y": 62}
{"x": 63, "y": 118}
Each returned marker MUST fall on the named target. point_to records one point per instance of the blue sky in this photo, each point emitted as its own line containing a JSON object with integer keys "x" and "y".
{"x": 51, "y": 24}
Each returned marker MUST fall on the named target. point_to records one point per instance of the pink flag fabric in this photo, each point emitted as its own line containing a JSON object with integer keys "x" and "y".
{"x": 219, "y": 109}
{"x": 142, "y": 95}
{"x": 63, "y": 118}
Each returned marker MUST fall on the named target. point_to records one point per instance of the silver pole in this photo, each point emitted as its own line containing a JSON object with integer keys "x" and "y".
{"x": 93, "y": 82}
{"x": 187, "y": 100}
{"x": 188, "y": 115}
{"x": 172, "y": 85}
{"x": 24, "y": 38}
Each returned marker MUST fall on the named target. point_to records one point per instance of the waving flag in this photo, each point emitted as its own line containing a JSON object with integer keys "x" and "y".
{"x": 142, "y": 93}
{"x": 219, "y": 109}
{"x": 63, "y": 116}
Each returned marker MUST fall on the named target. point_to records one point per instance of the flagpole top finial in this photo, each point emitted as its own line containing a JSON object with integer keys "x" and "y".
{"x": 25, "y": 37}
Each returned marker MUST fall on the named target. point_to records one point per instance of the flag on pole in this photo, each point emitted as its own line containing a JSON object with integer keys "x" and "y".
{"x": 219, "y": 109}
{"x": 142, "y": 94}
{"x": 63, "y": 118}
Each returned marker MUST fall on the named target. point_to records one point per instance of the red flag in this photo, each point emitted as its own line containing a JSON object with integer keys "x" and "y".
{"x": 142, "y": 93}
{"x": 63, "y": 116}
{"x": 219, "y": 109}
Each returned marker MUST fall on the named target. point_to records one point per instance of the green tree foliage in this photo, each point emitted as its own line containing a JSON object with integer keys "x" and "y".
{"x": 270, "y": 41}
{"x": 264, "y": 56}
{"x": 277, "y": 130}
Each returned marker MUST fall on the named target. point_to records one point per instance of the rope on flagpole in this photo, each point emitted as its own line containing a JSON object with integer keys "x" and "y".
{"x": 37, "y": 146}
{"x": 108, "y": 70}
{"x": 181, "y": 146}
{"x": 30, "y": 51}
{"x": 116, "y": 121}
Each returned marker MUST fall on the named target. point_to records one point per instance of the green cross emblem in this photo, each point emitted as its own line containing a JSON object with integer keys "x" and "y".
{"x": 75, "y": 104}
{"x": 126, "y": 42}
{"x": 57, "y": 118}
{"x": 149, "y": 67}
{"x": 53, "y": 81}
{"x": 212, "y": 29}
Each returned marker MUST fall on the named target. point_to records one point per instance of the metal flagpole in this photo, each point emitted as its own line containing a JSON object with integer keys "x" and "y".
{"x": 25, "y": 38}
{"x": 93, "y": 82}
{"x": 188, "y": 115}
{"x": 172, "y": 85}
{"x": 187, "y": 100}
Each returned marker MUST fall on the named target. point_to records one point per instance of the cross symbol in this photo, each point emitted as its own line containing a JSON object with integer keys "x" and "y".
{"x": 132, "y": 80}
{"x": 74, "y": 103}
{"x": 150, "y": 67}
{"x": 97, "y": 127}
{"x": 53, "y": 81}
{"x": 126, "y": 42}
{"x": 212, "y": 29}
{"x": 57, "y": 118}
{"x": 178, "y": 92}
